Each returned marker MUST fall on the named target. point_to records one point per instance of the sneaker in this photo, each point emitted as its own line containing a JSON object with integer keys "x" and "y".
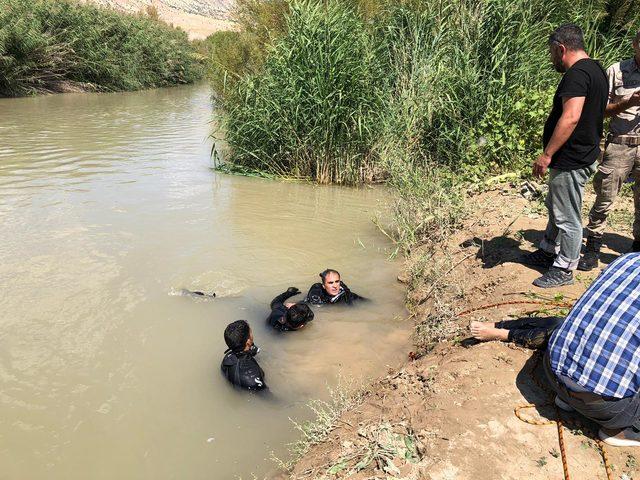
{"x": 635, "y": 247}
{"x": 539, "y": 258}
{"x": 620, "y": 438}
{"x": 589, "y": 260}
{"x": 562, "y": 405}
{"x": 555, "y": 277}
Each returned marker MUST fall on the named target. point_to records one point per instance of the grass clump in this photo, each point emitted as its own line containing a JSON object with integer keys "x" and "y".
{"x": 57, "y": 45}
{"x": 342, "y": 398}
{"x": 311, "y": 111}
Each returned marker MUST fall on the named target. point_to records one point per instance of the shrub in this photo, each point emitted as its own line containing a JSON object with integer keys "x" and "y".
{"x": 313, "y": 110}
{"x": 231, "y": 55}
{"x": 45, "y": 44}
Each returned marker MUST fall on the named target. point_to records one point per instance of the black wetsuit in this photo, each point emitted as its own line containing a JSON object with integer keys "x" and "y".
{"x": 278, "y": 310}
{"x": 242, "y": 370}
{"x": 533, "y": 332}
{"x": 318, "y": 295}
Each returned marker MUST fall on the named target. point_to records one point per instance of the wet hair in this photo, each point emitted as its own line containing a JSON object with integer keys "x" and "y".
{"x": 236, "y": 335}
{"x": 299, "y": 314}
{"x": 324, "y": 274}
{"x": 569, "y": 35}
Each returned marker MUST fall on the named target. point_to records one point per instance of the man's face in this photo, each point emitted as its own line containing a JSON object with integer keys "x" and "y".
{"x": 331, "y": 283}
{"x": 249, "y": 343}
{"x": 556, "y": 51}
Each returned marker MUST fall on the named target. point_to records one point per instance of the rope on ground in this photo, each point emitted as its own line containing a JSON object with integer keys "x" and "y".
{"x": 558, "y": 421}
{"x": 516, "y": 302}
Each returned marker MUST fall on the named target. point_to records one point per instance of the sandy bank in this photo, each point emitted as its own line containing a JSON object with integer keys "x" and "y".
{"x": 199, "y": 18}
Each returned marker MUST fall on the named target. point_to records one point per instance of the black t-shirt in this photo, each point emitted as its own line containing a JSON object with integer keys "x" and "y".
{"x": 585, "y": 78}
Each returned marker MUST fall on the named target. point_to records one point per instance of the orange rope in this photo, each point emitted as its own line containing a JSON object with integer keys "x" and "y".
{"x": 516, "y": 302}
{"x": 559, "y": 424}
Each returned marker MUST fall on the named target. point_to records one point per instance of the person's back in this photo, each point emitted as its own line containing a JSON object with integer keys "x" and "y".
{"x": 239, "y": 365}
{"x": 242, "y": 370}
{"x": 593, "y": 360}
{"x": 597, "y": 347}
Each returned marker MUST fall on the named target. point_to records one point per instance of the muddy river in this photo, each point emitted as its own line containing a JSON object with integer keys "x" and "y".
{"x": 108, "y": 207}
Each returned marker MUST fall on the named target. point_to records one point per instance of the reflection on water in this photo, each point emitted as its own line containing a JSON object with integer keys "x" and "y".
{"x": 107, "y": 205}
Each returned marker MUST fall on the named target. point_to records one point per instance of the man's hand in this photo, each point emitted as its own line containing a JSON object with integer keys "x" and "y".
{"x": 634, "y": 100}
{"x": 540, "y": 165}
{"x": 289, "y": 304}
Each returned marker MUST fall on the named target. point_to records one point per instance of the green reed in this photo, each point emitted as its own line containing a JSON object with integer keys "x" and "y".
{"x": 460, "y": 83}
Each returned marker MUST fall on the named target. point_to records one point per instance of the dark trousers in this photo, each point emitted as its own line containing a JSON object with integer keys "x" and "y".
{"x": 612, "y": 413}
{"x": 533, "y": 332}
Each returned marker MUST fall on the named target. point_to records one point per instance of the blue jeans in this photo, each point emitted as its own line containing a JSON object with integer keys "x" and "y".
{"x": 563, "y": 235}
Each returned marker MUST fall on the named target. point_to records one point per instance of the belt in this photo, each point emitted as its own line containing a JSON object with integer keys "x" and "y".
{"x": 631, "y": 140}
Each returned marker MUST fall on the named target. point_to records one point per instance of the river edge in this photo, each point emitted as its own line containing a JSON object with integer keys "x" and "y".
{"x": 449, "y": 414}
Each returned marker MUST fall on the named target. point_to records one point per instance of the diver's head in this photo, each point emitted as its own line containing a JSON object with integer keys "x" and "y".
{"x": 238, "y": 336}
{"x": 331, "y": 281}
{"x": 298, "y": 315}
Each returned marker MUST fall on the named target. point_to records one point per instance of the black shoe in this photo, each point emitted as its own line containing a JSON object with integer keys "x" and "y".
{"x": 555, "y": 277}
{"x": 539, "y": 258}
{"x": 589, "y": 260}
{"x": 635, "y": 247}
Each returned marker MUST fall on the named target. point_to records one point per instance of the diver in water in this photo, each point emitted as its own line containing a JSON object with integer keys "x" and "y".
{"x": 239, "y": 365}
{"x": 289, "y": 316}
{"x": 331, "y": 290}
{"x": 195, "y": 293}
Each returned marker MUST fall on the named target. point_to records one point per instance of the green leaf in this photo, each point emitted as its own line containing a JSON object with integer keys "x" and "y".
{"x": 337, "y": 468}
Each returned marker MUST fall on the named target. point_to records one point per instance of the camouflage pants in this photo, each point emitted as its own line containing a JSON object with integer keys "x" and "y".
{"x": 618, "y": 163}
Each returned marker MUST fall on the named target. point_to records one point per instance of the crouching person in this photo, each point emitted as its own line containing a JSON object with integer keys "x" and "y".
{"x": 593, "y": 359}
{"x": 239, "y": 365}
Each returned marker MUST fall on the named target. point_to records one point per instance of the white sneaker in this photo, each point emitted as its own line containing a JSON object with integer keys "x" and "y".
{"x": 620, "y": 438}
{"x": 562, "y": 405}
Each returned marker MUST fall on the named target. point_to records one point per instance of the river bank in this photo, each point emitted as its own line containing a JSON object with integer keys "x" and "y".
{"x": 449, "y": 414}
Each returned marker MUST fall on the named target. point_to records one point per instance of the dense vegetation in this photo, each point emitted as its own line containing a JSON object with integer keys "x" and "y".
{"x": 326, "y": 85}
{"x": 56, "y": 45}
{"x": 420, "y": 93}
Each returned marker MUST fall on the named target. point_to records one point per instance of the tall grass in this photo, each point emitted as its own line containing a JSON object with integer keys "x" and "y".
{"x": 314, "y": 109}
{"x": 458, "y": 83}
{"x": 51, "y": 45}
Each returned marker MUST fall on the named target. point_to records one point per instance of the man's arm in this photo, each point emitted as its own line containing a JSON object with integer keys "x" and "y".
{"x": 614, "y": 109}
{"x": 571, "y": 112}
{"x": 279, "y": 300}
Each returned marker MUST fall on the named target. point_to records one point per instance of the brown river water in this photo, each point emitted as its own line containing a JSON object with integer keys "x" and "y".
{"x": 108, "y": 207}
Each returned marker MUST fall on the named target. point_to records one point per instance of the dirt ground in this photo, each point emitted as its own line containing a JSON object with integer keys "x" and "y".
{"x": 199, "y": 18}
{"x": 449, "y": 415}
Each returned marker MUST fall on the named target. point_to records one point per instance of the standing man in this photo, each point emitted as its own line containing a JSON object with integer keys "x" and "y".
{"x": 621, "y": 156}
{"x": 571, "y": 146}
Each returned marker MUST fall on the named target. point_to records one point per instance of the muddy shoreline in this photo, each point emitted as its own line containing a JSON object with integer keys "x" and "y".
{"x": 450, "y": 413}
